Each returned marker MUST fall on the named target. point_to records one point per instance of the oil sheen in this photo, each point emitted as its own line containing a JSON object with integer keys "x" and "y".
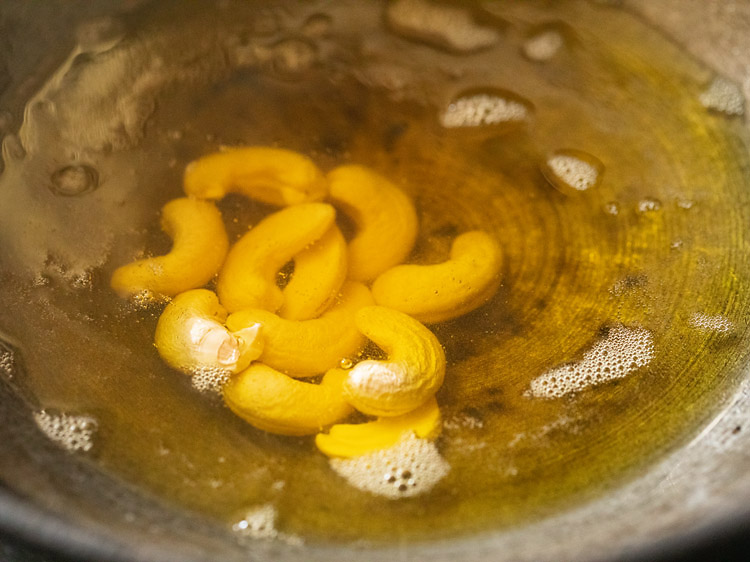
{"x": 609, "y": 166}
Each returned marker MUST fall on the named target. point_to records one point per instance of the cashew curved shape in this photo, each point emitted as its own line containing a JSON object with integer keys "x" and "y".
{"x": 199, "y": 247}
{"x": 385, "y": 219}
{"x": 434, "y": 293}
{"x": 303, "y": 348}
{"x": 411, "y": 374}
{"x": 353, "y": 440}
{"x": 275, "y": 402}
{"x": 272, "y": 175}
{"x": 319, "y": 273}
{"x": 248, "y": 277}
{"x": 191, "y": 336}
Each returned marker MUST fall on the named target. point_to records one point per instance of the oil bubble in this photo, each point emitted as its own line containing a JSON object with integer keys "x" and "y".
{"x": 717, "y": 324}
{"x": 290, "y": 57}
{"x": 648, "y": 205}
{"x": 448, "y": 27}
{"x": 612, "y": 208}
{"x": 621, "y": 352}
{"x": 258, "y": 523}
{"x": 572, "y": 171}
{"x": 210, "y": 379}
{"x": 542, "y": 46}
{"x": 72, "y": 432}
{"x": 7, "y": 360}
{"x": 723, "y": 96}
{"x": 411, "y": 467}
{"x": 627, "y": 284}
{"x": 487, "y": 107}
{"x": 685, "y": 203}
{"x": 74, "y": 180}
{"x": 346, "y": 363}
{"x": 317, "y": 26}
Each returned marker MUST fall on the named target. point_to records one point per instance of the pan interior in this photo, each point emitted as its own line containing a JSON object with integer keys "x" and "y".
{"x": 648, "y": 266}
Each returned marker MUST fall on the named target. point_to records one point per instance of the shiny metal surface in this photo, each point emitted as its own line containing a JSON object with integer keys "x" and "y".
{"x": 696, "y": 491}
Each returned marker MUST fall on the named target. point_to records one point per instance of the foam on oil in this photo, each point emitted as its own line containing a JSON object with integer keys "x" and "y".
{"x": 469, "y": 110}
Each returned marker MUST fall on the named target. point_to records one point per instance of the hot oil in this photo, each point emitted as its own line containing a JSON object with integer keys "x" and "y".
{"x": 635, "y": 280}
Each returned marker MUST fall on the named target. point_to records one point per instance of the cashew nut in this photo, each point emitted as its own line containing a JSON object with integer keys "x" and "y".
{"x": 199, "y": 246}
{"x": 191, "y": 337}
{"x": 412, "y": 373}
{"x": 248, "y": 278}
{"x": 304, "y": 348}
{"x": 434, "y": 293}
{"x": 319, "y": 273}
{"x": 353, "y": 440}
{"x": 385, "y": 218}
{"x": 275, "y": 402}
{"x": 272, "y": 175}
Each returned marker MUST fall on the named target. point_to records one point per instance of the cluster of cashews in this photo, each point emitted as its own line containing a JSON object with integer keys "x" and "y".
{"x": 341, "y": 294}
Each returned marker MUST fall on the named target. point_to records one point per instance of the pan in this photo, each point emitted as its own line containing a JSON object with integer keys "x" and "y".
{"x": 594, "y": 403}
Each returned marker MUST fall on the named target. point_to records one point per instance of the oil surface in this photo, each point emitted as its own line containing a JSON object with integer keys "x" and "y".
{"x": 655, "y": 247}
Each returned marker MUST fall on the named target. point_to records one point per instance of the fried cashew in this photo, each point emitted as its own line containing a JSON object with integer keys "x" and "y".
{"x": 272, "y": 175}
{"x": 412, "y": 373}
{"x": 199, "y": 247}
{"x": 191, "y": 336}
{"x": 319, "y": 273}
{"x": 275, "y": 402}
{"x": 384, "y": 216}
{"x": 434, "y": 293}
{"x": 353, "y": 440}
{"x": 248, "y": 277}
{"x": 309, "y": 347}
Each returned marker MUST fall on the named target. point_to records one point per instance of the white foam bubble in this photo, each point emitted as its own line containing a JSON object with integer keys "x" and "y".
{"x": 210, "y": 379}
{"x": 707, "y": 323}
{"x": 409, "y": 468}
{"x": 72, "y": 432}
{"x": 723, "y": 96}
{"x": 482, "y": 110}
{"x": 561, "y": 423}
{"x": 7, "y": 362}
{"x": 574, "y": 172}
{"x": 648, "y": 205}
{"x": 612, "y": 208}
{"x": 446, "y": 26}
{"x": 543, "y": 46}
{"x": 621, "y": 352}
{"x": 465, "y": 421}
{"x": 258, "y": 523}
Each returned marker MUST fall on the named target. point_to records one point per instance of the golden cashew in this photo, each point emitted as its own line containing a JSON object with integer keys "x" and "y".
{"x": 272, "y": 175}
{"x": 434, "y": 293}
{"x": 275, "y": 402}
{"x": 199, "y": 247}
{"x": 353, "y": 440}
{"x": 385, "y": 218}
{"x": 309, "y": 347}
{"x": 319, "y": 273}
{"x": 248, "y": 278}
{"x": 412, "y": 373}
{"x": 191, "y": 337}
